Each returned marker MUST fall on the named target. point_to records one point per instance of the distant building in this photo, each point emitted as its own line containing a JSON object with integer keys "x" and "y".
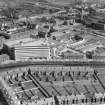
{"x": 71, "y": 54}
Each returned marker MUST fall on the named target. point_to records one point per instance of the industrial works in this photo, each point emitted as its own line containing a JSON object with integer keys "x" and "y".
{"x": 52, "y": 52}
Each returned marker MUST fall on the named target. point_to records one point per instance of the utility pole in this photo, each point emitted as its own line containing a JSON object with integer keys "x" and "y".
{"x": 83, "y": 7}
{"x": 82, "y": 10}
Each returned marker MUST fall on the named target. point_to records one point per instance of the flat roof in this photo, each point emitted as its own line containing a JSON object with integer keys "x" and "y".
{"x": 14, "y": 42}
{"x": 25, "y": 42}
{"x": 31, "y": 47}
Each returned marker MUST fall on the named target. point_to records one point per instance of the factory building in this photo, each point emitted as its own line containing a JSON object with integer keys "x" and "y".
{"x": 26, "y": 49}
{"x": 32, "y": 52}
{"x": 9, "y": 51}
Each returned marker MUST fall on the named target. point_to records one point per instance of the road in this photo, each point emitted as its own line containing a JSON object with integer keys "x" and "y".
{"x": 52, "y": 63}
{"x": 97, "y": 34}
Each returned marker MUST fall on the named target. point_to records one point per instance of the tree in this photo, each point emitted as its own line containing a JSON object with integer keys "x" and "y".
{"x": 43, "y": 19}
{"x": 89, "y": 54}
{"x": 50, "y": 11}
{"x": 77, "y": 38}
{"x": 52, "y": 20}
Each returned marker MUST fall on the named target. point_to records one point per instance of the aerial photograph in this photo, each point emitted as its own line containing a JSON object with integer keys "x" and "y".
{"x": 52, "y": 52}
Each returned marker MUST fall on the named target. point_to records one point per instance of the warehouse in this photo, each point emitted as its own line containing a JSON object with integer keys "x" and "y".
{"x": 26, "y": 49}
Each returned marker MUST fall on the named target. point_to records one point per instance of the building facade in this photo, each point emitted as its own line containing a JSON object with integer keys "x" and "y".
{"x": 32, "y": 52}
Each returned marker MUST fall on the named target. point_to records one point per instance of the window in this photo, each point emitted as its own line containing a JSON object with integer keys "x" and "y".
{"x": 83, "y": 100}
{"x": 86, "y": 100}
{"x": 91, "y": 100}
{"x": 104, "y": 99}
{"x": 101, "y": 99}
{"x": 76, "y": 101}
{"x": 73, "y": 101}
{"x": 67, "y": 102}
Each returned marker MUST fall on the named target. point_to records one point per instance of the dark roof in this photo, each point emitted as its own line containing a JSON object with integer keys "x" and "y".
{"x": 6, "y": 36}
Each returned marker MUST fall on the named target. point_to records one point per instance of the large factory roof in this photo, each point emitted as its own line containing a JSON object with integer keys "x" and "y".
{"x": 24, "y": 42}
{"x": 16, "y": 42}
